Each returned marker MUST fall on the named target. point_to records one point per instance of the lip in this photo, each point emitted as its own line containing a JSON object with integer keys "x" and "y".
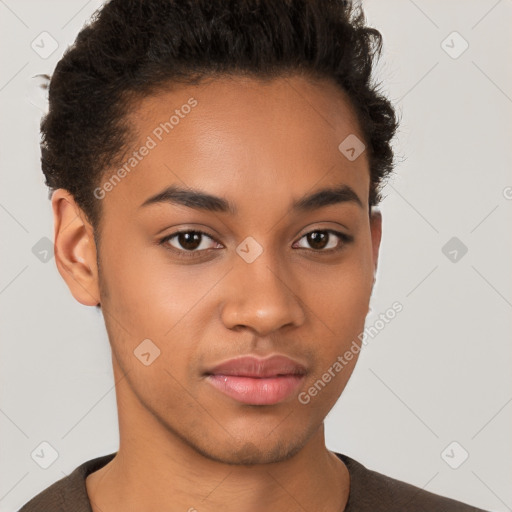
{"x": 256, "y": 381}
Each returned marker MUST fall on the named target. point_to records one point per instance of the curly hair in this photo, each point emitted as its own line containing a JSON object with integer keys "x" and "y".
{"x": 133, "y": 48}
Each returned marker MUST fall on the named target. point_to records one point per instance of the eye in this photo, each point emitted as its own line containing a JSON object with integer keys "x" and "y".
{"x": 188, "y": 242}
{"x": 322, "y": 240}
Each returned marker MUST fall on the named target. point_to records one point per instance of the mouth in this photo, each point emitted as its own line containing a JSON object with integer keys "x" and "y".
{"x": 254, "y": 381}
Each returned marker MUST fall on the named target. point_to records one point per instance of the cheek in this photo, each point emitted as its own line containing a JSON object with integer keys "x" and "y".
{"x": 151, "y": 299}
{"x": 340, "y": 316}
{"x": 147, "y": 290}
{"x": 338, "y": 304}
{"x": 339, "y": 296}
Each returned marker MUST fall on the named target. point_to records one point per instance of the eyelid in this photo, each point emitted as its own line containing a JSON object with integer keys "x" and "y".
{"x": 345, "y": 239}
{"x": 188, "y": 230}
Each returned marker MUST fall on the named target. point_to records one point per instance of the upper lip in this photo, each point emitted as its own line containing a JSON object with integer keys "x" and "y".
{"x": 251, "y": 366}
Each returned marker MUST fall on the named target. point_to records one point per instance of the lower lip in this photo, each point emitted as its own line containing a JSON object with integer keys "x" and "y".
{"x": 257, "y": 391}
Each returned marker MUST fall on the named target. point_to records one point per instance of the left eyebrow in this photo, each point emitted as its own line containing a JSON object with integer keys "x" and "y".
{"x": 199, "y": 200}
{"x": 327, "y": 197}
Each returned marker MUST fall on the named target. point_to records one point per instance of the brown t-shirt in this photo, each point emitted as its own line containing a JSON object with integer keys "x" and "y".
{"x": 369, "y": 492}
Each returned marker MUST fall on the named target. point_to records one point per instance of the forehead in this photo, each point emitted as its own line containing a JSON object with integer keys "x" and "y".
{"x": 260, "y": 141}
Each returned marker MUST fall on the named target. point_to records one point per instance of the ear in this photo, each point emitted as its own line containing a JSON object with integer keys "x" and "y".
{"x": 376, "y": 233}
{"x": 75, "y": 249}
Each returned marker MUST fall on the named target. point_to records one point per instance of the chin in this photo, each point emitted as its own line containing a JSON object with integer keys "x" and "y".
{"x": 253, "y": 451}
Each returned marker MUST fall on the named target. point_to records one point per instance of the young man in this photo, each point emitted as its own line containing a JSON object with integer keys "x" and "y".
{"x": 216, "y": 168}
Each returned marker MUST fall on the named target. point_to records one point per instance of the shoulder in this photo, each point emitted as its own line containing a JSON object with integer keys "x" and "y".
{"x": 69, "y": 494}
{"x": 370, "y": 491}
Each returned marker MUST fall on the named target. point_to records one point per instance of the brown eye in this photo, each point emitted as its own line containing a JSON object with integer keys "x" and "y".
{"x": 188, "y": 241}
{"x": 318, "y": 239}
{"x": 324, "y": 240}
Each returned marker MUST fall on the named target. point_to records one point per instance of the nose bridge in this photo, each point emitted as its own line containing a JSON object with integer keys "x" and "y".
{"x": 261, "y": 295}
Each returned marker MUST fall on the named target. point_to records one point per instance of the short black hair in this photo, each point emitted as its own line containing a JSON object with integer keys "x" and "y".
{"x": 132, "y": 48}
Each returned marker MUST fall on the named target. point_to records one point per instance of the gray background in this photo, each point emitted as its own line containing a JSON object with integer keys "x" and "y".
{"x": 439, "y": 372}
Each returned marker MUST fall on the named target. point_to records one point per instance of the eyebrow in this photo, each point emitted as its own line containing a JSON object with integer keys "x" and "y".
{"x": 202, "y": 201}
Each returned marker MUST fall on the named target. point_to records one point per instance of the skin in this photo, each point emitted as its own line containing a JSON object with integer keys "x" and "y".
{"x": 183, "y": 444}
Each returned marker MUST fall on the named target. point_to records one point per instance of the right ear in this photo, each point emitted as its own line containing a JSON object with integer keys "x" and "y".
{"x": 75, "y": 248}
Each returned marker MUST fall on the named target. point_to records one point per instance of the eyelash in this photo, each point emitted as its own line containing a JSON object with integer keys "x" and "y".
{"x": 346, "y": 239}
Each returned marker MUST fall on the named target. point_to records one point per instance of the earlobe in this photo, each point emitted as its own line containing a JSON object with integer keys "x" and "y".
{"x": 75, "y": 249}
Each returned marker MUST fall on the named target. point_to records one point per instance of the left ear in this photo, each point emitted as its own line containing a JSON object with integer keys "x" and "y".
{"x": 376, "y": 233}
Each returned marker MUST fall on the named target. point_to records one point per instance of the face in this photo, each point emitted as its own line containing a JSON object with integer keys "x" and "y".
{"x": 257, "y": 270}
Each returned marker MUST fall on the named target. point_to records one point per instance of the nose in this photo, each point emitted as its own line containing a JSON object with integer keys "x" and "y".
{"x": 261, "y": 296}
